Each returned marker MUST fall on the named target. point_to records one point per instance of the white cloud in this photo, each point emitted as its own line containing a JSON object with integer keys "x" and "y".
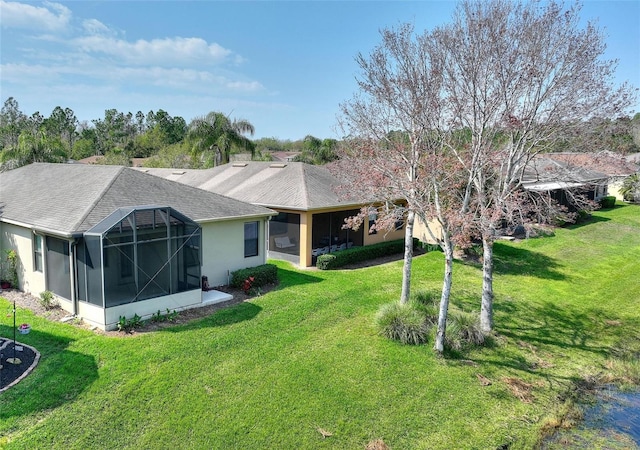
{"x": 51, "y": 17}
{"x": 94, "y": 26}
{"x": 163, "y": 52}
{"x": 185, "y": 80}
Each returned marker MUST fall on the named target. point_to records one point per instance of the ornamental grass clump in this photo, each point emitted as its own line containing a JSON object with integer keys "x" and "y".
{"x": 463, "y": 329}
{"x": 403, "y": 322}
{"x": 427, "y": 303}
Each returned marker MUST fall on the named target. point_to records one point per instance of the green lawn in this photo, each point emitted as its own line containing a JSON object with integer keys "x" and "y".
{"x": 268, "y": 373}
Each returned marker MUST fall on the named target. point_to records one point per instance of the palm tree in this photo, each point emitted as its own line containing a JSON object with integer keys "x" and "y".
{"x": 630, "y": 189}
{"x": 33, "y": 147}
{"x": 219, "y": 134}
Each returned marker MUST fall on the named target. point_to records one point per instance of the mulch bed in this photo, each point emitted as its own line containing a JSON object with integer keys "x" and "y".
{"x": 25, "y": 357}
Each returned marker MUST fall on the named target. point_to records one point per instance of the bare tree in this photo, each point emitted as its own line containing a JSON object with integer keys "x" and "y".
{"x": 386, "y": 125}
{"x": 394, "y": 150}
{"x": 517, "y": 76}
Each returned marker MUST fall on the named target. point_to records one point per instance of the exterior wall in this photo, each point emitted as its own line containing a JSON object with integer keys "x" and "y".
{"x": 383, "y": 236}
{"x": 14, "y": 237}
{"x": 421, "y": 233}
{"x": 614, "y": 189}
{"x": 223, "y": 249}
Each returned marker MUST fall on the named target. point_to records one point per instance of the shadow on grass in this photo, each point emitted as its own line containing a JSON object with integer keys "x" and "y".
{"x": 58, "y": 378}
{"x": 557, "y": 325}
{"x": 589, "y": 221}
{"x": 220, "y": 318}
{"x": 290, "y": 278}
{"x": 552, "y": 330}
{"x": 512, "y": 260}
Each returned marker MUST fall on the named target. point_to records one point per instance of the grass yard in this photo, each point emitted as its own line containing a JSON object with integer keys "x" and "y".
{"x": 274, "y": 372}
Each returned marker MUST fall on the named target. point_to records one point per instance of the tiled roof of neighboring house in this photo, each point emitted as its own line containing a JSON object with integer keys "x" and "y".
{"x": 71, "y": 198}
{"x": 604, "y": 162}
{"x": 291, "y": 185}
{"x": 545, "y": 173}
{"x": 284, "y": 156}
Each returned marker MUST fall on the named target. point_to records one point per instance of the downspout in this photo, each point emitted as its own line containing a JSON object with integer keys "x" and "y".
{"x": 73, "y": 274}
{"x": 267, "y": 233}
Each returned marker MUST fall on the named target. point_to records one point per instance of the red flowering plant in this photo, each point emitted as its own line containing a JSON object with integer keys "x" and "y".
{"x": 247, "y": 284}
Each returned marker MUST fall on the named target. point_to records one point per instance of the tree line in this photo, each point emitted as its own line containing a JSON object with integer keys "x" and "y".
{"x": 167, "y": 141}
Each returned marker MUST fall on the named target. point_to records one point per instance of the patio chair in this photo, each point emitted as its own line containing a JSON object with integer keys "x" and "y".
{"x": 283, "y": 242}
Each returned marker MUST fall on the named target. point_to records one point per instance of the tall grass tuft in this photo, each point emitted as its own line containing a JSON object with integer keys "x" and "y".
{"x": 427, "y": 303}
{"x": 403, "y": 322}
{"x": 463, "y": 329}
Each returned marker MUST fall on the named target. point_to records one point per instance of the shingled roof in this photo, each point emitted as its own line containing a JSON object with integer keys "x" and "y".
{"x": 290, "y": 185}
{"x": 71, "y": 198}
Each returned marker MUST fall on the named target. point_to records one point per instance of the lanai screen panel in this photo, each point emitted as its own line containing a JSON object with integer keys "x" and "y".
{"x": 145, "y": 253}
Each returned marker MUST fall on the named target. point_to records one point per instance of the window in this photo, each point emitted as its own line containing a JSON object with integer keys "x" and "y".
{"x": 37, "y": 252}
{"x": 250, "y": 239}
{"x": 373, "y": 216}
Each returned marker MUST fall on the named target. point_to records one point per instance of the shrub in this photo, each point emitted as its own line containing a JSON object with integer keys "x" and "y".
{"x": 47, "y": 300}
{"x": 463, "y": 329}
{"x": 327, "y": 262}
{"x": 262, "y": 275}
{"x": 608, "y": 202}
{"x": 402, "y": 322}
{"x": 427, "y": 303}
{"x": 358, "y": 254}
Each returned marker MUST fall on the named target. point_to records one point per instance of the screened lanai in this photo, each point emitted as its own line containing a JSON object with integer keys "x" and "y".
{"x": 138, "y": 253}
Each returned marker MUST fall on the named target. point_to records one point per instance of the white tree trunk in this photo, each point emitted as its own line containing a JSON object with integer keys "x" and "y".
{"x": 408, "y": 258}
{"x": 444, "y": 298}
{"x": 486, "y": 309}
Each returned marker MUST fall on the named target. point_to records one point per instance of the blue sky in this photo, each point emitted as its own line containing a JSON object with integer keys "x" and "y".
{"x": 283, "y": 66}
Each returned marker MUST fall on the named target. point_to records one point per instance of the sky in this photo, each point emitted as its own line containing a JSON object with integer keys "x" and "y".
{"x": 284, "y": 66}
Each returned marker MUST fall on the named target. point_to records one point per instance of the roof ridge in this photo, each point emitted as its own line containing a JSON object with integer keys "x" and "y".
{"x": 305, "y": 188}
{"x": 90, "y": 209}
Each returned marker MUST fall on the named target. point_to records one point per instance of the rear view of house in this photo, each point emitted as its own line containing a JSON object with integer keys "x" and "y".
{"x": 111, "y": 241}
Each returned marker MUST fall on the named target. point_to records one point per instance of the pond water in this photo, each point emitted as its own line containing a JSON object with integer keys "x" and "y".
{"x": 612, "y": 422}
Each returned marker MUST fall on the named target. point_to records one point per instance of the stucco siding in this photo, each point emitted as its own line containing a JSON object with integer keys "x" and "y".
{"x": 223, "y": 249}
{"x": 383, "y": 236}
{"x": 20, "y": 239}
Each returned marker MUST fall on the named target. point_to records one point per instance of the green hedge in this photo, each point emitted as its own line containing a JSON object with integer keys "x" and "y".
{"x": 358, "y": 254}
{"x": 262, "y": 275}
{"x": 608, "y": 202}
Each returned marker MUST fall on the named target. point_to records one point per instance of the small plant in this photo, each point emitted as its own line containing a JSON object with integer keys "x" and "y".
{"x": 128, "y": 325}
{"x": 402, "y": 322}
{"x": 12, "y": 258}
{"x": 24, "y": 326}
{"x": 47, "y": 300}
{"x": 122, "y": 323}
{"x": 247, "y": 285}
{"x": 463, "y": 329}
{"x": 172, "y": 315}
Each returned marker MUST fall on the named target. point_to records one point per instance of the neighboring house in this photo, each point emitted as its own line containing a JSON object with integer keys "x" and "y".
{"x": 552, "y": 174}
{"x": 111, "y": 241}
{"x": 615, "y": 167}
{"x": 311, "y": 213}
{"x": 595, "y": 175}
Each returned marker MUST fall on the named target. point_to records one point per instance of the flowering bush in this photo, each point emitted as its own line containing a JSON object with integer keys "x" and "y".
{"x": 247, "y": 284}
